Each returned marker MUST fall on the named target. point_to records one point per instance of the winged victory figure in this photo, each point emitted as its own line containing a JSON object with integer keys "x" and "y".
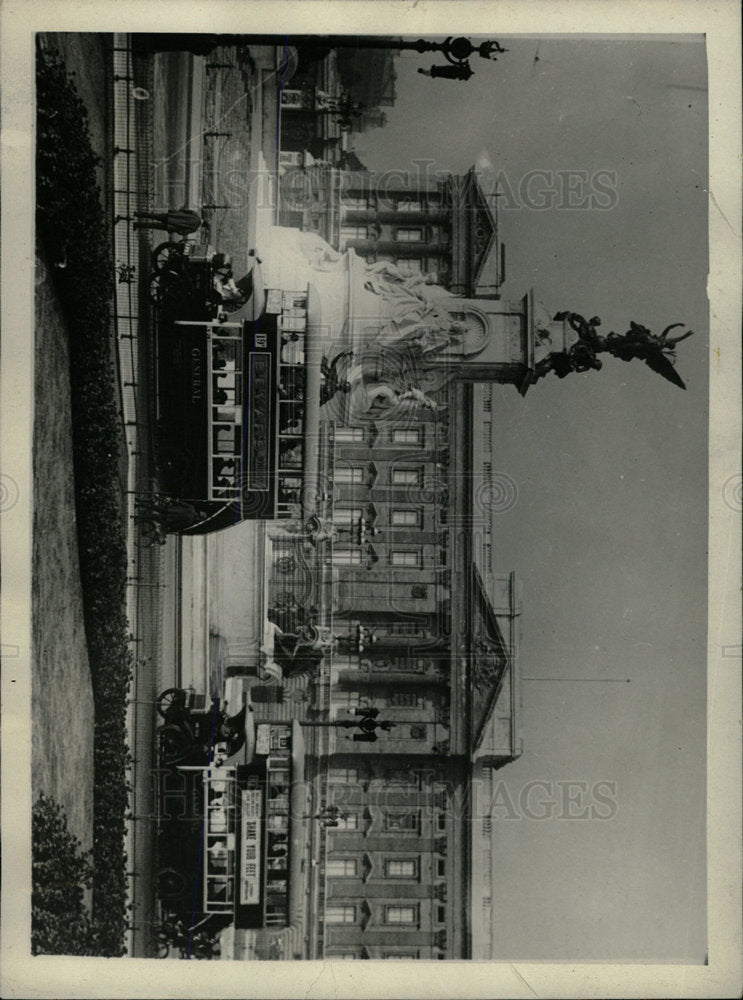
{"x": 658, "y": 352}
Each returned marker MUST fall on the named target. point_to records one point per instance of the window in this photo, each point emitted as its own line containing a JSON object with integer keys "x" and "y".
{"x": 407, "y": 435}
{"x": 343, "y": 776}
{"x": 345, "y": 699}
{"x": 226, "y": 355}
{"x": 344, "y": 956}
{"x": 349, "y": 475}
{"x": 395, "y": 822}
{"x": 346, "y": 822}
{"x": 225, "y": 471}
{"x": 440, "y": 868}
{"x": 441, "y": 821}
{"x": 341, "y": 868}
{"x": 410, "y": 266}
{"x": 406, "y": 517}
{"x": 406, "y": 204}
{"x": 345, "y": 435}
{"x": 440, "y": 914}
{"x": 404, "y": 628}
{"x": 347, "y": 515}
{"x": 441, "y": 794}
{"x": 349, "y": 233}
{"x": 355, "y": 203}
{"x": 226, "y": 388}
{"x": 405, "y": 235}
{"x": 340, "y": 915}
{"x": 226, "y": 441}
{"x": 401, "y": 914}
{"x": 405, "y": 477}
{"x": 401, "y": 868}
{"x": 405, "y": 558}
{"x": 400, "y": 955}
{"x": 346, "y": 557}
{"x": 405, "y": 699}
{"x": 487, "y": 405}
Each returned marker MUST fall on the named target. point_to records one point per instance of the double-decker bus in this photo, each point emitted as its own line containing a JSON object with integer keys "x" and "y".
{"x": 230, "y": 834}
{"x": 230, "y": 397}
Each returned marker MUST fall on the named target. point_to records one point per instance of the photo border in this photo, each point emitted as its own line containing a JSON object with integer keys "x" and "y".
{"x": 23, "y": 976}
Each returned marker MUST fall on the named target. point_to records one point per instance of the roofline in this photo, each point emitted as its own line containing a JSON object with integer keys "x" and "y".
{"x": 479, "y": 587}
{"x": 493, "y": 220}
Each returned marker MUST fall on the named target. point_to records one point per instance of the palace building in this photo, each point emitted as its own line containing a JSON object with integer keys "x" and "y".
{"x": 425, "y": 640}
{"x": 385, "y": 667}
{"x": 423, "y": 220}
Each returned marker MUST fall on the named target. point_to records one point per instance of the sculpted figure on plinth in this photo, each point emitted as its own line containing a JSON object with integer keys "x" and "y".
{"x": 657, "y": 351}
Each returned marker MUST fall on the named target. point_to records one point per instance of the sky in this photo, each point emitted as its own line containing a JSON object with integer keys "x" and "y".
{"x": 609, "y": 531}
{"x": 608, "y": 534}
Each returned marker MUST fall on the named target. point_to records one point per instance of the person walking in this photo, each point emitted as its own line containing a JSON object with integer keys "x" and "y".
{"x": 181, "y": 221}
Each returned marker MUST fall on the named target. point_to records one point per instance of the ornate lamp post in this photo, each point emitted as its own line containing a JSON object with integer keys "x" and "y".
{"x": 366, "y": 722}
{"x": 457, "y": 51}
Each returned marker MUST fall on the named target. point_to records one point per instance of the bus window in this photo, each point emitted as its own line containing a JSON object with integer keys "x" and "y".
{"x": 225, "y": 471}
{"x": 291, "y": 384}
{"x": 226, "y": 355}
{"x": 218, "y": 821}
{"x": 290, "y": 489}
{"x": 290, "y": 454}
{"x": 218, "y": 889}
{"x": 227, "y": 388}
{"x": 226, "y": 441}
{"x": 291, "y": 418}
{"x": 292, "y": 353}
{"x": 226, "y": 415}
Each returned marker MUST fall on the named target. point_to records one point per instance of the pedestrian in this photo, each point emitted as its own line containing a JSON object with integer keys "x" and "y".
{"x": 182, "y": 220}
{"x": 227, "y": 290}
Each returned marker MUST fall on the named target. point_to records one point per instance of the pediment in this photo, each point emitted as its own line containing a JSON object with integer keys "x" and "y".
{"x": 482, "y": 226}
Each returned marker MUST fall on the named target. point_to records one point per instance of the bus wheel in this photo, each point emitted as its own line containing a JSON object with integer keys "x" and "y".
{"x": 171, "y": 884}
{"x": 162, "y": 254}
{"x": 167, "y": 699}
{"x": 175, "y": 744}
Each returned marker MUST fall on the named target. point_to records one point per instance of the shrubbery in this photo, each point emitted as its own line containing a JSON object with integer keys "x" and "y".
{"x": 73, "y": 239}
{"x": 60, "y": 924}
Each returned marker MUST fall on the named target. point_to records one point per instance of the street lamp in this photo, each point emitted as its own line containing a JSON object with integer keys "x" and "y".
{"x": 368, "y": 726}
{"x": 366, "y": 721}
{"x": 328, "y": 816}
{"x": 456, "y": 51}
